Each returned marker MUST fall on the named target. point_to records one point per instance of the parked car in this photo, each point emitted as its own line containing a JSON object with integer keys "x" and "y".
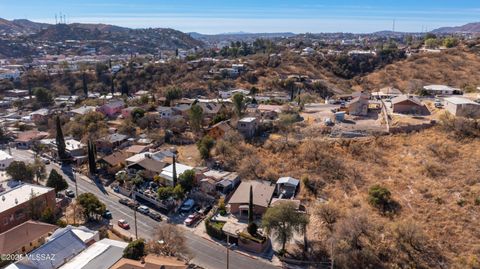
{"x": 107, "y": 214}
{"x": 116, "y": 188}
{"x": 132, "y": 204}
{"x": 124, "y": 201}
{"x": 438, "y": 104}
{"x": 143, "y": 209}
{"x": 192, "y": 219}
{"x": 155, "y": 216}
{"x": 204, "y": 211}
{"x": 70, "y": 193}
{"x": 123, "y": 224}
{"x": 187, "y": 205}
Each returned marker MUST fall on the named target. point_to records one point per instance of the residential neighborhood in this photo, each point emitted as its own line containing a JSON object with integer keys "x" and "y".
{"x": 148, "y": 148}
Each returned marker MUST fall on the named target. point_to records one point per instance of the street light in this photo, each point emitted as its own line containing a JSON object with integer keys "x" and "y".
{"x": 135, "y": 212}
{"x": 228, "y": 249}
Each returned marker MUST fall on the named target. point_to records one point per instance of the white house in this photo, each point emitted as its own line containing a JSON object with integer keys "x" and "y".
{"x": 462, "y": 107}
{"x": 441, "y": 90}
{"x": 167, "y": 172}
{"x": 5, "y": 160}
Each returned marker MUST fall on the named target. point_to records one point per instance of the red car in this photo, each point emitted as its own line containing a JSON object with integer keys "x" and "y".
{"x": 192, "y": 219}
{"x": 123, "y": 224}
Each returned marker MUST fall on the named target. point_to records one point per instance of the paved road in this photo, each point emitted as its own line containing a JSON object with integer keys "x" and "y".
{"x": 205, "y": 253}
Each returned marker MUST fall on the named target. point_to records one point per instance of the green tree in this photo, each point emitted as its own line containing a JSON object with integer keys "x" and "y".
{"x": 39, "y": 169}
{"x": 43, "y": 96}
{"x": 92, "y": 206}
{"x": 381, "y": 198}
{"x": 195, "y": 115}
{"x": 48, "y": 216}
{"x": 92, "y": 164}
{"x": 172, "y": 94}
{"x": 60, "y": 140}
{"x": 450, "y": 42}
{"x": 20, "y": 171}
{"x": 137, "y": 114}
{"x": 56, "y": 181}
{"x": 135, "y": 250}
{"x": 187, "y": 179}
{"x": 238, "y": 104}
{"x": 431, "y": 43}
{"x": 283, "y": 220}
{"x": 252, "y": 227}
{"x": 165, "y": 193}
{"x": 204, "y": 146}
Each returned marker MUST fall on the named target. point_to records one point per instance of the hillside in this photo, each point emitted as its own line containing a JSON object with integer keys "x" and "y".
{"x": 161, "y": 38}
{"x": 20, "y": 26}
{"x": 467, "y": 28}
{"x": 458, "y": 68}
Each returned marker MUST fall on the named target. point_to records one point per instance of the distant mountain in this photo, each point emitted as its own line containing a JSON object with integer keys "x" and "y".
{"x": 237, "y": 36}
{"x": 467, "y": 28}
{"x": 145, "y": 39}
{"x": 20, "y": 26}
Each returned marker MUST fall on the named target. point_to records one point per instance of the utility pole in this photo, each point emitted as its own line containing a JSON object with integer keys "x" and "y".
{"x": 228, "y": 248}
{"x": 135, "y": 213}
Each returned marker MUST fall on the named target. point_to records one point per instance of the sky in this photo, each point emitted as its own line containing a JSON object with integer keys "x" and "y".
{"x": 254, "y": 16}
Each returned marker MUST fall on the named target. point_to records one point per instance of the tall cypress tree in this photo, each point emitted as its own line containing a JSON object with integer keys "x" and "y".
{"x": 250, "y": 206}
{"x": 85, "y": 86}
{"x": 174, "y": 172}
{"x": 91, "y": 158}
{"x": 61, "y": 147}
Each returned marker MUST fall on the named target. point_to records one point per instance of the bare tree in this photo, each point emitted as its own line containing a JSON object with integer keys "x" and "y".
{"x": 329, "y": 214}
{"x": 169, "y": 240}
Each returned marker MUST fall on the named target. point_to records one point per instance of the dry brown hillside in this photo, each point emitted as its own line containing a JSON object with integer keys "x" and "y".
{"x": 433, "y": 176}
{"x": 457, "y": 68}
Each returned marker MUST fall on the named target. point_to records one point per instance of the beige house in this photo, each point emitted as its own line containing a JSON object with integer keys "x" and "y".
{"x": 25, "y": 237}
{"x": 462, "y": 107}
{"x": 262, "y": 196}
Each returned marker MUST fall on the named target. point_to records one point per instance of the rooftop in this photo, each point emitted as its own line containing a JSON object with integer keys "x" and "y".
{"x": 248, "y": 119}
{"x": 21, "y": 235}
{"x": 4, "y": 156}
{"x": 102, "y": 254}
{"x": 168, "y": 171}
{"x": 21, "y": 194}
{"x": 460, "y": 101}
{"x": 262, "y": 193}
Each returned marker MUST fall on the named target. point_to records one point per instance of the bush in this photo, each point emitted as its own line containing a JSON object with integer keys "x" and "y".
{"x": 252, "y": 228}
{"x": 380, "y": 197}
{"x": 135, "y": 250}
{"x": 214, "y": 229}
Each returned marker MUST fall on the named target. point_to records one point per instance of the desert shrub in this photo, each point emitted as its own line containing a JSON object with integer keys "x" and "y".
{"x": 381, "y": 198}
{"x": 443, "y": 151}
{"x": 461, "y": 127}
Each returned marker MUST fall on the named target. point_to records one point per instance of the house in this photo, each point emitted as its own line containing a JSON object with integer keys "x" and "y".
{"x": 386, "y": 93}
{"x": 40, "y": 115}
{"x": 407, "y": 104}
{"x": 167, "y": 172}
{"x": 16, "y": 93}
{"x": 114, "y": 162}
{"x": 228, "y": 94}
{"x": 5, "y": 160}
{"x": 182, "y": 109}
{"x": 16, "y": 204}
{"x": 286, "y": 187}
{"x": 462, "y": 107}
{"x": 136, "y": 149}
{"x": 25, "y": 237}
{"x": 165, "y": 112}
{"x": 262, "y": 196}
{"x": 127, "y": 112}
{"x": 211, "y": 109}
{"x": 218, "y": 130}
{"x": 150, "y": 167}
{"x": 270, "y": 111}
{"x": 358, "y": 106}
{"x": 61, "y": 247}
{"x": 111, "y": 142}
{"x": 214, "y": 181}
{"x": 87, "y": 236}
{"x": 151, "y": 261}
{"x": 26, "y": 139}
{"x": 81, "y": 110}
{"x": 247, "y": 127}
{"x": 112, "y": 108}
{"x": 435, "y": 90}
{"x": 101, "y": 255}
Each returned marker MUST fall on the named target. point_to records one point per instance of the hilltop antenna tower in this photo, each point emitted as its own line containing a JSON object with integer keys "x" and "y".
{"x": 393, "y": 27}
{"x": 65, "y": 19}
{"x": 55, "y": 18}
